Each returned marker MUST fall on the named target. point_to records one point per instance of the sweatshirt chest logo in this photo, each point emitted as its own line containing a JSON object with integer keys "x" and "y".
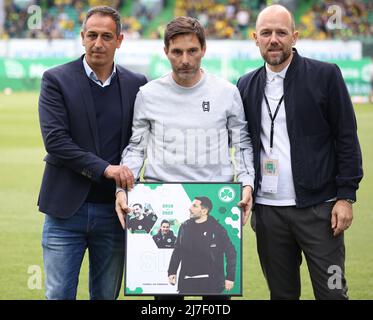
{"x": 206, "y": 106}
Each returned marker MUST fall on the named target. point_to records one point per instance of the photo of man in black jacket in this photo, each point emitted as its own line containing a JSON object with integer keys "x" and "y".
{"x": 200, "y": 248}
{"x": 165, "y": 238}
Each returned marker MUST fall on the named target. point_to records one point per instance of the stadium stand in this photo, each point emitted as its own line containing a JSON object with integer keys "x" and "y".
{"x": 223, "y": 19}
{"x": 354, "y": 22}
{"x": 62, "y": 19}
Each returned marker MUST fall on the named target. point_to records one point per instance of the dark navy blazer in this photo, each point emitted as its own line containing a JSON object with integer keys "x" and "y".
{"x": 70, "y": 135}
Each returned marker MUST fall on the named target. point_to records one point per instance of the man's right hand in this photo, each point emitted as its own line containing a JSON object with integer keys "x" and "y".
{"x": 172, "y": 279}
{"x": 121, "y": 207}
{"x": 121, "y": 174}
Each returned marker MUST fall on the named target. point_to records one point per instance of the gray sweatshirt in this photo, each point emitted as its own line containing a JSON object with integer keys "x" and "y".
{"x": 185, "y": 133}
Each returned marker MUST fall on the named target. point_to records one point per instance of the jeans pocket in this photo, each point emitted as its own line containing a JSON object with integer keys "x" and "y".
{"x": 323, "y": 210}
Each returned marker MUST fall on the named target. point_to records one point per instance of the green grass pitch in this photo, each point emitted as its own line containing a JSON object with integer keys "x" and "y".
{"x": 21, "y": 167}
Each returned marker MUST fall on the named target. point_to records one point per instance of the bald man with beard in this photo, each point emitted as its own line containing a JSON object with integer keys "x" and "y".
{"x": 307, "y": 161}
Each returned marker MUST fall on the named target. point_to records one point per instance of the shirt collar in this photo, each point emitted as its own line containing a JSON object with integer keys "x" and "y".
{"x": 92, "y": 75}
{"x": 271, "y": 75}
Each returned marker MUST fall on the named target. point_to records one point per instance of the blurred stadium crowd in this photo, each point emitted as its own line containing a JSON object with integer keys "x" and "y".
{"x": 223, "y": 19}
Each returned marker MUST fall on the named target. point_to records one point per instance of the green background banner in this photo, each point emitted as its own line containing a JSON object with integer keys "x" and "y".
{"x": 25, "y": 74}
{"x": 355, "y": 73}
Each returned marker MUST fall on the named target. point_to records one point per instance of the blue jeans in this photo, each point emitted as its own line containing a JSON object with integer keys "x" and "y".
{"x": 93, "y": 226}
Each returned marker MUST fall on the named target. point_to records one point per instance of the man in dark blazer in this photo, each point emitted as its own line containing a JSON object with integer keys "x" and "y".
{"x": 86, "y": 110}
{"x": 307, "y": 161}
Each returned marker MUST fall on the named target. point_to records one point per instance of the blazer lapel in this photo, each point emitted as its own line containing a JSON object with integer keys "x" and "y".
{"x": 259, "y": 98}
{"x": 124, "y": 93}
{"x": 85, "y": 90}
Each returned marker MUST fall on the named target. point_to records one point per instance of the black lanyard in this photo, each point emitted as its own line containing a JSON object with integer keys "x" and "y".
{"x": 272, "y": 117}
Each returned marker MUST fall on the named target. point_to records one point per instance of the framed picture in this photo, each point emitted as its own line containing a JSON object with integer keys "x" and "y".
{"x": 184, "y": 239}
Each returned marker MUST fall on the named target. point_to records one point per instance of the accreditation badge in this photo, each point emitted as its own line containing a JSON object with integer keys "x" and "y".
{"x": 270, "y": 174}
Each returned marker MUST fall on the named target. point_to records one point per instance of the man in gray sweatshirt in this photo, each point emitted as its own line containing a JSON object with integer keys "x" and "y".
{"x": 185, "y": 123}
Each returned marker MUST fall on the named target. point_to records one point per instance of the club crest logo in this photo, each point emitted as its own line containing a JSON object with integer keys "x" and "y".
{"x": 206, "y": 106}
{"x": 226, "y": 194}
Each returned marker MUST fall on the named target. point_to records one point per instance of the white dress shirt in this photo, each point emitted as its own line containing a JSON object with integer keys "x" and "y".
{"x": 92, "y": 75}
{"x": 274, "y": 90}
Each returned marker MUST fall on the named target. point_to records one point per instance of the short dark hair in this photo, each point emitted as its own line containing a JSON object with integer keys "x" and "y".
{"x": 184, "y": 25}
{"x": 105, "y": 11}
{"x": 137, "y": 204}
{"x": 205, "y": 202}
{"x": 165, "y": 221}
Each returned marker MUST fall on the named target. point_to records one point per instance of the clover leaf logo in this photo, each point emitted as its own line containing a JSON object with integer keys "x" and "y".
{"x": 226, "y": 194}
